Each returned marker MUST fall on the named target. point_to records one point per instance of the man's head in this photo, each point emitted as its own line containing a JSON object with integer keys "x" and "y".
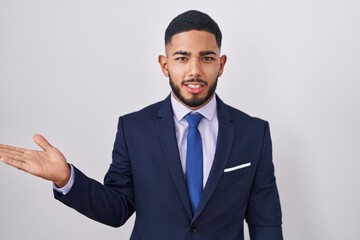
{"x": 193, "y": 20}
{"x": 193, "y": 62}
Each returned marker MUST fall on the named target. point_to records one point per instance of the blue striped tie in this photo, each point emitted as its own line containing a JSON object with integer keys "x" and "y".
{"x": 194, "y": 160}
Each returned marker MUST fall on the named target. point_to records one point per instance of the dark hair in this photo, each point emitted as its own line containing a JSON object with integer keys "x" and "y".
{"x": 193, "y": 20}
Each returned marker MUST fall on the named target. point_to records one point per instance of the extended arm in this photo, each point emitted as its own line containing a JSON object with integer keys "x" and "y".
{"x": 111, "y": 203}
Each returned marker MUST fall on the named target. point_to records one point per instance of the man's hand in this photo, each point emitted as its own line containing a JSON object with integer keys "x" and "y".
{"x": 49, "y": 164}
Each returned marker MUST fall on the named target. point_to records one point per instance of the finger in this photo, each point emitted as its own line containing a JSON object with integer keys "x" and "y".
{"x": 20, "y": 154}
{"x": 12, "y": 155}
{"x": 11, "y": 149}
{"x": 16, "y": 162}
{"x": 42, "y": 142}
{"x": 6, "y": 153}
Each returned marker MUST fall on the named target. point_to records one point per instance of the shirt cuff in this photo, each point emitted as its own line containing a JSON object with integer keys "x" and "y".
{"x": 64, "y": 190}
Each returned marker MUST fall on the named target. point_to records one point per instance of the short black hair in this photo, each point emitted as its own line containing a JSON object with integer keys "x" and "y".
{"x": 193, "y": 20}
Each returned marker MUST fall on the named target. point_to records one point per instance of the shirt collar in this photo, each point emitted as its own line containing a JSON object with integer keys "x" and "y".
{"x": 180, "y": 110}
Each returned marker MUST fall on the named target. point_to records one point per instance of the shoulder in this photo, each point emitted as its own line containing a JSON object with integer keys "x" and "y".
{"x": 253, "y": 129}
{"x": 146, "y": 114}
{"x": 152, "y": 109}
{"x": 237, "y": 116}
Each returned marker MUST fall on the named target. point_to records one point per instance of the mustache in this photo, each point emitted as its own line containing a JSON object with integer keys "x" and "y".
{"x": 194, "y": 80}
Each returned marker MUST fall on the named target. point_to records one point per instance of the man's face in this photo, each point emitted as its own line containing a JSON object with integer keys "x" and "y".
{"x": 193, "y": 65}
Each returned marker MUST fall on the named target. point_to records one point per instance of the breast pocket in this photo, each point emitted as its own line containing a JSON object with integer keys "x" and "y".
{"x": 237, "y": 170}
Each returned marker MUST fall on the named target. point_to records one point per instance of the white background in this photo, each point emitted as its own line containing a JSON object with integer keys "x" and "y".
{"x": 68, "y": 69}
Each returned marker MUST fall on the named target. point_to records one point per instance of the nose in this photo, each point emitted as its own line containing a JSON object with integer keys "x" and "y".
{"x": 194, "y": 68}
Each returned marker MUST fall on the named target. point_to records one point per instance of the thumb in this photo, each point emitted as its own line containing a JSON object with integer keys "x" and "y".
{"x": 42, "y": 142}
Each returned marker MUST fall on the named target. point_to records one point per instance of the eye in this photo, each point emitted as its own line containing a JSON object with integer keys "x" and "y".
{"x": 181, "y": 59}
{"x": 208, "y": 59}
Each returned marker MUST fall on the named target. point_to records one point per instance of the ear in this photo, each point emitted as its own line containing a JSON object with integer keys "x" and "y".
{"x": 223, "y": 60}
{"x": 163, "y": 65}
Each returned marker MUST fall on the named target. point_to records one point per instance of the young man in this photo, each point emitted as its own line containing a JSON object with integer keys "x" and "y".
{"x": 190, "y": 166}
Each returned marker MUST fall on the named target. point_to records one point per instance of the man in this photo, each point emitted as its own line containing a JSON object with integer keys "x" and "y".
{"x": 190, "y": 166}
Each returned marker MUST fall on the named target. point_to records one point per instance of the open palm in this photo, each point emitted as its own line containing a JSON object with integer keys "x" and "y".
{"x": 49, "y": 164}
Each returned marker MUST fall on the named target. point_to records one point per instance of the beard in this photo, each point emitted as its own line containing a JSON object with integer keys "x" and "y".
{"x": 194, "y": 101}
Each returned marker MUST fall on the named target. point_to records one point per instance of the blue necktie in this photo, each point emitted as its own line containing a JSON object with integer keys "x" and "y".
{"x": 194, "y": 160}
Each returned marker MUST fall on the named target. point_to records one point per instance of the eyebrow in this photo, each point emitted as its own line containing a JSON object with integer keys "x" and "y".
{"x": 180, "y": 52}
{"x": 202, "y": 53}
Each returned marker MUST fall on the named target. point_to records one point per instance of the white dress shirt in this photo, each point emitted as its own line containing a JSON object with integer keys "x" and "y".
{"x": 208, "y": 128}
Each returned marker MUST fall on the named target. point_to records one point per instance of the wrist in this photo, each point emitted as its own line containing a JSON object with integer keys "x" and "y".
{"x": 63, "y": 181}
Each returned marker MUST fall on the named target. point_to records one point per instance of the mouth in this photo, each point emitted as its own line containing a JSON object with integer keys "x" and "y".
{"x": 195, "y": 86}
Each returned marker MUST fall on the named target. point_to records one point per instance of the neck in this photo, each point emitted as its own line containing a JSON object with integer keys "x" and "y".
{"x": 192, "y": 108}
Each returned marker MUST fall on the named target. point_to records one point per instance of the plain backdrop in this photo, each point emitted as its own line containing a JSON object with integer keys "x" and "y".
{"x": 69, "y": 69}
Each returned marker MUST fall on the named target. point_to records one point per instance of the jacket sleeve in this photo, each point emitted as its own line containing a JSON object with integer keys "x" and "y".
{"x": 263, "y": 214}
{"x": 111, "y": 203}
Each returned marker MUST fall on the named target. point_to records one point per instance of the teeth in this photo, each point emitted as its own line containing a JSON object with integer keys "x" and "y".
{"x": 194, "y": 86}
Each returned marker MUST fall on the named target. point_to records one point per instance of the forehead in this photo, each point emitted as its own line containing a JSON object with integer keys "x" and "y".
{"x": 192, "y": 41}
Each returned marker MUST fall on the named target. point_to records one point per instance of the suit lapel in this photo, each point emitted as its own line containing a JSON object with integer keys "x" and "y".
{"x": 223, "y": 148}
{"x": 166, "y": 129}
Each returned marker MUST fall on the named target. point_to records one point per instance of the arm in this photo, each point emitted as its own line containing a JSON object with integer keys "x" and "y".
{"x": 111, "y": 203}
{"x": 264, "y": 213}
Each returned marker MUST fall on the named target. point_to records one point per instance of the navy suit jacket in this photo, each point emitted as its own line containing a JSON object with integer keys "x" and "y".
{"x": 146, "y": 176}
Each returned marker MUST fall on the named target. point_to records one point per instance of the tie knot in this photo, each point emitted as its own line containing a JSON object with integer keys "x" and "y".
{"x": 193, "y": 119}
